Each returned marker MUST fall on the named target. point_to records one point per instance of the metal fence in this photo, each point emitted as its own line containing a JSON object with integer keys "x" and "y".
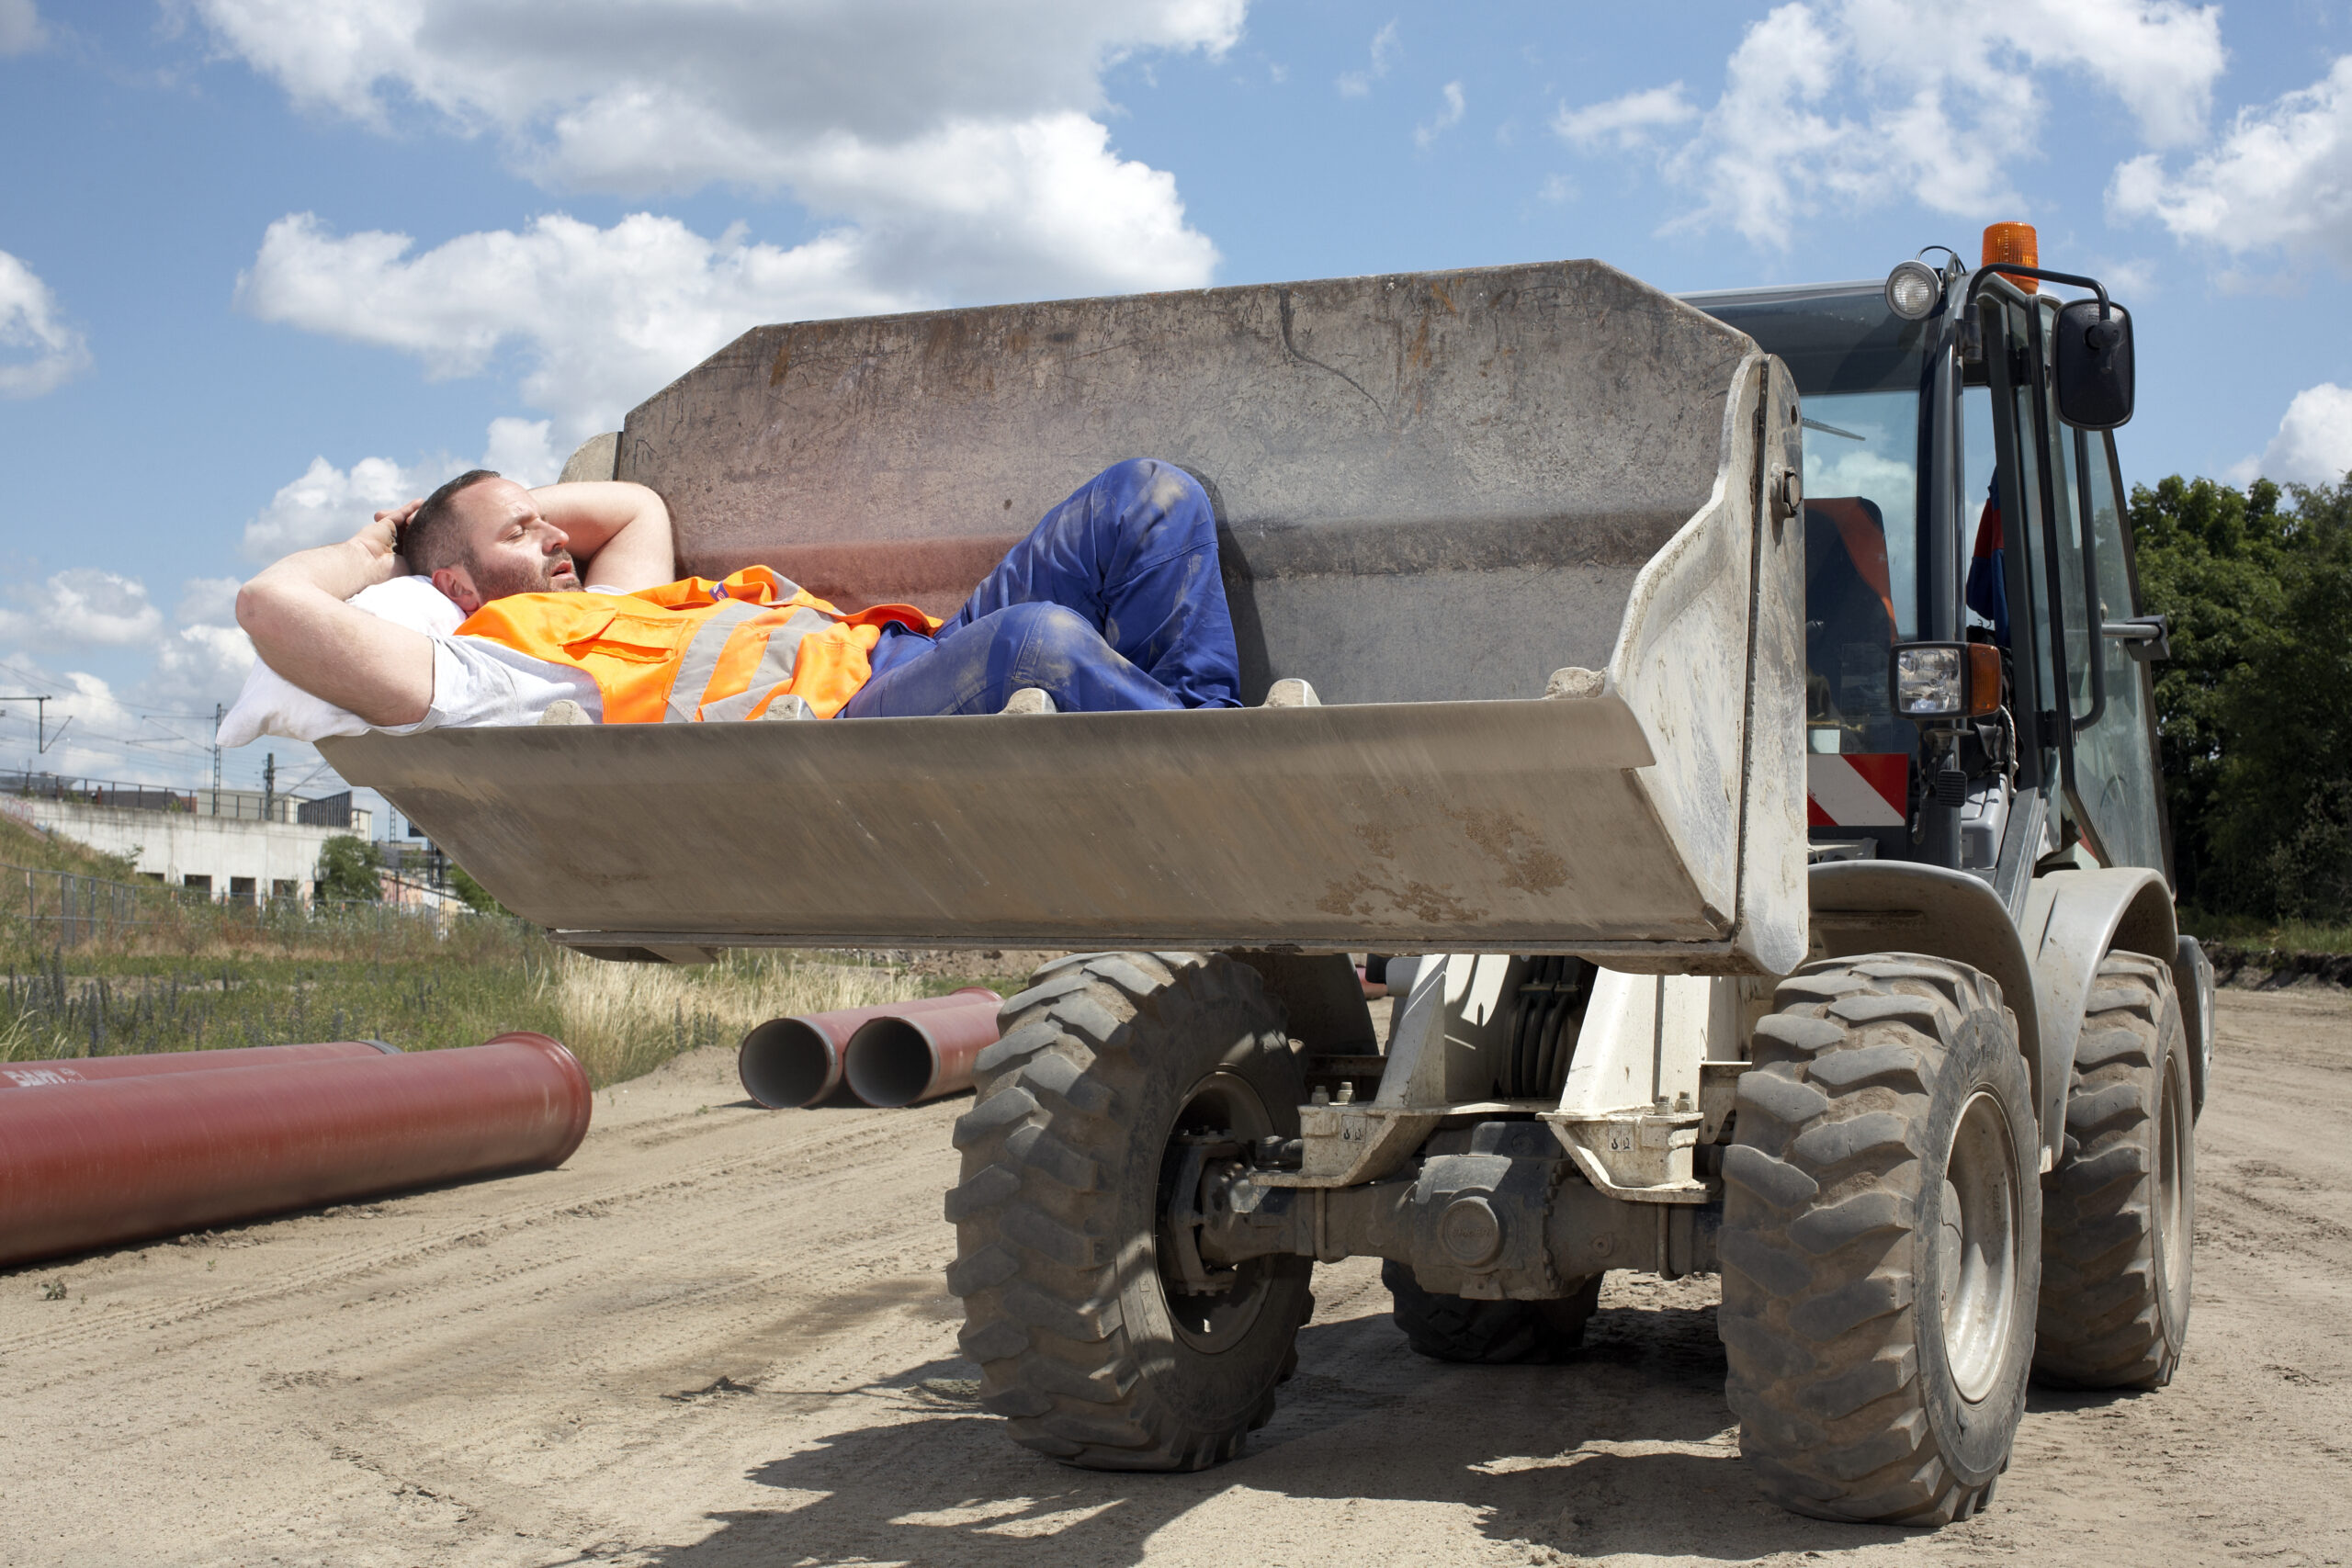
{"x": 66, "y": 909}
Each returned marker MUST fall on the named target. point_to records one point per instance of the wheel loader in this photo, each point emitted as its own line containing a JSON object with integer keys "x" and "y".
{"x": 1735, "y": 722}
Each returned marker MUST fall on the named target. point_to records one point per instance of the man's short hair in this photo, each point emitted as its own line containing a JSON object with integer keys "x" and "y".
{"x": 433, "y": 538}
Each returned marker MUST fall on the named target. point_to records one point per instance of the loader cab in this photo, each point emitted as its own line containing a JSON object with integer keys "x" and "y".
{"x": 1948, "y": 501}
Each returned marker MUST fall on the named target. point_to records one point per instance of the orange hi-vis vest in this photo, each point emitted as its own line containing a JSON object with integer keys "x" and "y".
{"x": 697, "y": 649}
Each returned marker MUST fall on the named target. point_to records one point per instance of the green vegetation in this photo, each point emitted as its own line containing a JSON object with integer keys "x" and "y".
{"x": 347, "y": 867}
{"x": 477, "y": 897}
{"x": 2255, "y": 706}
{"x": 102, "y": 966}
{"x": 2283, "y": 936}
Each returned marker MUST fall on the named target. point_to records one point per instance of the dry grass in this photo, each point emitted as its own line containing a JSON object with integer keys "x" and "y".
{"x": 622, "y": 1019}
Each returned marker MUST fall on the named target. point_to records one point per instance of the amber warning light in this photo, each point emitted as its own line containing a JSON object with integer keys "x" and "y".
{"x": 2016, "y": 244}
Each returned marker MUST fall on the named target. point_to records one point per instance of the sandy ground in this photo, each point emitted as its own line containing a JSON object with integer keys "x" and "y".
{"x": 718, "y": 1336}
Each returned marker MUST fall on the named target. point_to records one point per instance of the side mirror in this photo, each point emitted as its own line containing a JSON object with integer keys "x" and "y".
{"x": 2094, "y": 354}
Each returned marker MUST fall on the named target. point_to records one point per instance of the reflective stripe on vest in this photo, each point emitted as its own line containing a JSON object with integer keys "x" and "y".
{"x": 697, "y": 650}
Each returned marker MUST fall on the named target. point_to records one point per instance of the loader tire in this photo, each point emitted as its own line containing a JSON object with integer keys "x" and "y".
{"x": 2117, "y": 1218}
{"x": 1086, "y": 1345}
{"x": 1491, "y": 1334}
{"x": 1880, "y": 1242}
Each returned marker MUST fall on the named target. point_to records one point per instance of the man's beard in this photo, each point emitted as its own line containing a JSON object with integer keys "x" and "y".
{"x": 504, "y": 578}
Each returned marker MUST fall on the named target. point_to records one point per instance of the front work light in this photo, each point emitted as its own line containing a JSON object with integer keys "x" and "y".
{"x": 1912, "y": 289}
{"x": 1940, "y": 682}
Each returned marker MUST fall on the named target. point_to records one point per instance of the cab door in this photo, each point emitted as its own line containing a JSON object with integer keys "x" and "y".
{"x": 2116, "y": 785}
{"x": 2086, "y": 718}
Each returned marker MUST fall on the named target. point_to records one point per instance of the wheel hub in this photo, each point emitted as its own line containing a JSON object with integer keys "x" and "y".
{"x": 1210, "y": 1308}
{"x": 1977, "y": 1246}
{"x": 2174, "y": 1131}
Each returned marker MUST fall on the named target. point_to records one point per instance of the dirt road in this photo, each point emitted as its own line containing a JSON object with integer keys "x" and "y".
{"x": 718, "y": 1336}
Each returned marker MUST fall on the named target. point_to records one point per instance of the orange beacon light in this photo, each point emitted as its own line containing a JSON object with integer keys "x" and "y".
{"x": 2015, "y": 244}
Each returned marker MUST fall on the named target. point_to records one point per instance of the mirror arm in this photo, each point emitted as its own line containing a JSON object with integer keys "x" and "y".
{"x": 1985, "y": 273}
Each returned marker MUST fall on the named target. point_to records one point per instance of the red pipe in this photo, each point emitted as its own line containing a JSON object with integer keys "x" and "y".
{"x": 797, "y": 1061}
{"x": 900, "y": 1060}
{"x": 97, "y": 1069}
{"x": 85, "y": 1165}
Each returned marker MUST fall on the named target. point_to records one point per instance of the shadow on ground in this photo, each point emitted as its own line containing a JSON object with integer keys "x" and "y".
{"x": 1624, "y": 1449}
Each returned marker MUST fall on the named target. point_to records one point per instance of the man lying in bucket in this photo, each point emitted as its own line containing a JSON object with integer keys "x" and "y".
{"x": 557, "y": 604}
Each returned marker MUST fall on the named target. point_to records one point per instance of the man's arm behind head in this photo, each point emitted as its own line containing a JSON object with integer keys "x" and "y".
{"x": 295, "y": 613}
{"x": 619, "y": 532}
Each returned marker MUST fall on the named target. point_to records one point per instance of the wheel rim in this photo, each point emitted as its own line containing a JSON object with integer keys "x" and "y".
{"x": 1220, "y": 1102}
{"x": 1977, "y": 1246}
{"x": 2172, "y": 1133}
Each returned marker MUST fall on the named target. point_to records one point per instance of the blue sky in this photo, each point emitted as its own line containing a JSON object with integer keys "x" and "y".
{"x": 265, "y": 264}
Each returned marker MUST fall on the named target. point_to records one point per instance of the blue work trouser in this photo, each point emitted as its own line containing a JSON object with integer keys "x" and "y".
{"x": 1113, "y": 600}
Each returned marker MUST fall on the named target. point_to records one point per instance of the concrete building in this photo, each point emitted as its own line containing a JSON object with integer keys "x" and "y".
{"x": 226, "y": 843}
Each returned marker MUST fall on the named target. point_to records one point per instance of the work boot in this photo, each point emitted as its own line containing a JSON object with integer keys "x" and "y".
{"x": 564, "y": 710}
{"x": 1030, "y": 699}
{"x": 1292, "y": 693}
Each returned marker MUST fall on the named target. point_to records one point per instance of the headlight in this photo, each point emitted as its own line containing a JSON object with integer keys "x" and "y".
{"x": 1927, "y": 681}
{"x": 1913, "y": 290}
{"x": 1946, "y": 679}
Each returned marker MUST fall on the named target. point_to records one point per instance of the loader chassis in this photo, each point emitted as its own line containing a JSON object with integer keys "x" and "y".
{"x": 1718, "y": 961}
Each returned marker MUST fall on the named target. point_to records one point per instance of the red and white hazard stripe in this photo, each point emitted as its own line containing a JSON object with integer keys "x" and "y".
{"x": 1862, "y": 790}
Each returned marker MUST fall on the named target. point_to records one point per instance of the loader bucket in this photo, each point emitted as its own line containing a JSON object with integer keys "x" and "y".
{"x": 1433, "y": 491}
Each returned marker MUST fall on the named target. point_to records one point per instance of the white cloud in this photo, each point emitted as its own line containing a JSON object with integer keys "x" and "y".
{"x": 956, "y": 146}
{"x": 2279, "y": 180}
{"x": 606, "y": 317}
{"x": 519, "y": 449}
{"x": 1626, "y": 122}
{"x": 325, "y": 503}
{"x": 1854, "y": 103}
{"x": 206, "y": 658}
{"x": 1447, "y": 118}
{"x": 20, "y": 29}
{"x": 208, "y": 599}
{"x": 2314, "y": 440}
{"x": 201, "y": 665}
{"x": 39, "y": 353}
{"x": 633, "y": 96}
{"x": 89, "y": 704}
{"x": 1385, "y": 50}
{"x": 80, "y": 605}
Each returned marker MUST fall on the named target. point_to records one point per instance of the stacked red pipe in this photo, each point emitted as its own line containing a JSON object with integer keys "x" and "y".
{"x": 890, "y": 1055}
{"x": 124, "y": 1148}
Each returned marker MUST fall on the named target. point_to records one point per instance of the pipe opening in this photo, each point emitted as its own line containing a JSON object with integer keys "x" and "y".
{"x": 785, "y": 1062}
{"x": 889, "y": 1062}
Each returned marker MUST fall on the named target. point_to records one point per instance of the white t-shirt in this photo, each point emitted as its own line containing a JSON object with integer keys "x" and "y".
{"x": 475, "y": 681}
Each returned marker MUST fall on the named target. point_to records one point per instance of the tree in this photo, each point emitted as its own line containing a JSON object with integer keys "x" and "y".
{"x": 2284, "y": 820}
{"x": 2208, "y": 556}
{"x": 347, "y": 867}
{"x": 2254, "y": 708}
{"x": 475, "y": 896}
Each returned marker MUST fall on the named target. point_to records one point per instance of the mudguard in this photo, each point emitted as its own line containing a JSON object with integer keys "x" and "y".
{"x": 1874, "y": 906}
{"x": 2074, "y": 918}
